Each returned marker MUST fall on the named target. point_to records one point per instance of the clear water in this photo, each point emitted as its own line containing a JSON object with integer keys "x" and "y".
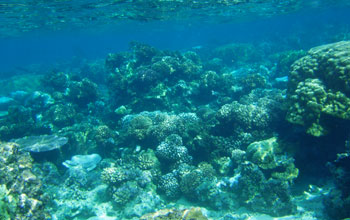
{"x": 40, "y": 39}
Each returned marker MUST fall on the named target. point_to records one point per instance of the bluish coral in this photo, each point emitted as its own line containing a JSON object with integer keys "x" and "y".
{"x": 172, "y": 151}
{"x": 114, "y": 175}
{"x": 123, "y": 194}
{"x": 169, "y": 185}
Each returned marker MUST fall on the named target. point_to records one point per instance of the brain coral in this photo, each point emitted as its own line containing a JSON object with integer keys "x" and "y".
{"x": 319, "y": 86}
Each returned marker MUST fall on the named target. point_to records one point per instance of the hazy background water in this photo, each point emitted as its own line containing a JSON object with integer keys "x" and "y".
{"x": 302, "y": 29}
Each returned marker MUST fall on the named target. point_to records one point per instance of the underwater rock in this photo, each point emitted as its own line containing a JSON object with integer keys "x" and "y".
{"x": 40, "y": 143}
{"x": 319, "y": 87}
{"x": 146, "y": 202}
{"x": 85, "y": 162}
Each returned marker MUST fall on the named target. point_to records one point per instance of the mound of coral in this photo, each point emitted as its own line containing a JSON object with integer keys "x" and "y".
{"x": 319, "y": 88}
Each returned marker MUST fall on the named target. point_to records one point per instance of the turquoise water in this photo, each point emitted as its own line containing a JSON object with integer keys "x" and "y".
{"x": 121, "y": 109}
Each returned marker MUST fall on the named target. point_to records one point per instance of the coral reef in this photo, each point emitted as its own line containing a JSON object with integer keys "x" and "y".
{"x": 250, "y": 118}
{"x": 82, "y": 92}
{"x": 57, "y": 81}
{"x": 114, "y": 175}
{"x": 129, "y": 186}
{"x": 21, "y": 193}
{"x": 253, "y": 190}
{"x": 172, "y": 151}
{"x": 318, "y": 88}
{"x": 286, "y": 59}
{"x": 18, "y": 123}
{"x": 166, "y": 129}
{"x": 169, "y": 185}
{"x": 337, "y": 202}
{"x": 269, "y": 156}
{"x": 61, "y": 115}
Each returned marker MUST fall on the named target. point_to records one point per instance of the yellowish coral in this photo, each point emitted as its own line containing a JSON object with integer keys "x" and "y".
{"x": 268, "y": 155}
{"x": 263, "y": 153}
{"x": 319, "y": 85}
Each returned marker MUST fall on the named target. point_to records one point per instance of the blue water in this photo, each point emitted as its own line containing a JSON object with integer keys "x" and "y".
{"x": 308, "y": 27}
